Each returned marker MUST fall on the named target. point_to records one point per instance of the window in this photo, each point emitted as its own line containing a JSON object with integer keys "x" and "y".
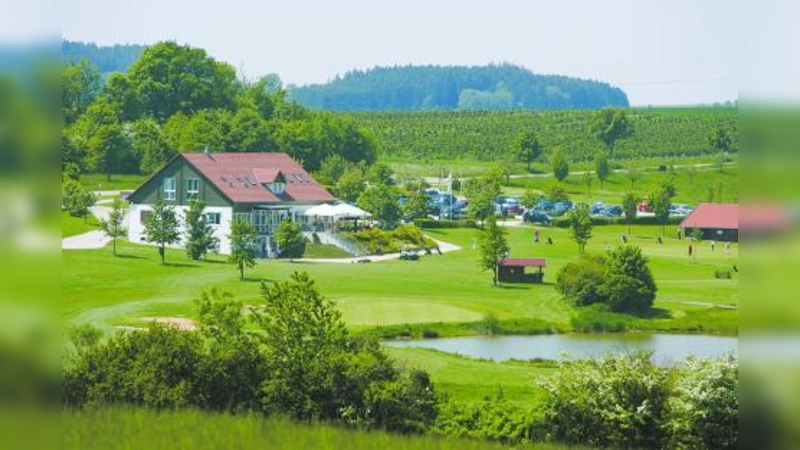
{"x": 213, "y": 218}
{"x": 192, "y": 188}
{"x": 144, "y": 216}
{"x": 170, "y": 189}
{"x": 277, "y": 187}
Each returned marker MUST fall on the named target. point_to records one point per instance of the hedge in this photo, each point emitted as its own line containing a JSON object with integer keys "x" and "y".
{"x": 445, "y": 223}
{"x": 563, "y": 221}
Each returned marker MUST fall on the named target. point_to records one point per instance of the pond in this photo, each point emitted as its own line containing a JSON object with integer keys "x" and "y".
{"x": 667, "y": 348}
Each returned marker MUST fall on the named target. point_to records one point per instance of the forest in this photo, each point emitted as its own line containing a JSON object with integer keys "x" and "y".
{"x": 425, "y": 88}
{"x": 107, "y": 59}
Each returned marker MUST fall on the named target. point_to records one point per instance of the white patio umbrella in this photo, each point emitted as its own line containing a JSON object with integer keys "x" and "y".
{"x": 324, "y": 210}
{"x": 350, "y": 211}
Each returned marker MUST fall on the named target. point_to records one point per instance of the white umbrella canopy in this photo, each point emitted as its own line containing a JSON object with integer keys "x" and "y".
{"x": 324, "y": 210}
{"x": 345, "y": 210}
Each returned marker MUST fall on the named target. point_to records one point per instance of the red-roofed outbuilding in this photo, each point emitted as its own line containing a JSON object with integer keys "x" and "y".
{"x": 717, "y": 221}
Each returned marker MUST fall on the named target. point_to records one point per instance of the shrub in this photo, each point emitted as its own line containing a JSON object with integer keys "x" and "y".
{"x": 629, "y": 285}
{"x": 704, "y": 410}
{"x": 608, "y": 402}
{"x": 489, "y": 325}
{"x": 556, "y": 192}
{"x": 563, "y": 221}
{"x": 597, "y": 319}
{"x": 579, "y": 282}
{"x": 290, "y": 239}
{"x": 494, "y": 419}
{"x": 445, "y": 223}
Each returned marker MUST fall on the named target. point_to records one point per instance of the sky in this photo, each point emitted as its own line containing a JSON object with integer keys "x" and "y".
{"x": 660, "y": 52}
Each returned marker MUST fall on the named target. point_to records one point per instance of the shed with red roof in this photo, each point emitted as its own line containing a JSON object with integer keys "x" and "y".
{"x": 717, "y": 221}
{"x": 512, "y": 270}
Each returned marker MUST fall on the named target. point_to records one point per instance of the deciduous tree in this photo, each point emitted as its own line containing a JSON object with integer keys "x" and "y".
{"x": 580, "y": 225}
{"x": 629, "y": 285}
{"x": 161, "y": 227}
{"x": 493, "y": 247}
{"x": 560, "y": 165}
{"x": 290, "y": 239}
{"x": 601, "y": 167}
{"x": 381, "y": 202}
{"x": 527, "y": 147}
{"x": 610, "y": 125}
{"x": 200, "y": 239}
{"x": 114, "y": 226}
{"x": 630, "y": 205}
{"x": 244, "y": 245}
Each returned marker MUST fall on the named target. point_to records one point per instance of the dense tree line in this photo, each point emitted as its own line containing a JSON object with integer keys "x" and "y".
{"x": 425, "y": 88}
{"x": 493, "y": 136}
{"x": 176, "y": 98}
{"x": 107, "y": 59}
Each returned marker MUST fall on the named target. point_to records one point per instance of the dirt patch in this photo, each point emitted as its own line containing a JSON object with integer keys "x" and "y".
{"x": 181, "y": 323}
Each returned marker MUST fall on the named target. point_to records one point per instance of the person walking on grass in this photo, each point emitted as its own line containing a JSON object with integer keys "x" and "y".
{"x": 727, "y": 248}
{"x": 536, "y": 235}
{"x": 713, "y": 245}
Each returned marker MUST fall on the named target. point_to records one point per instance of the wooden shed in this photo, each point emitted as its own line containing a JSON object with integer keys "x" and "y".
{"x": 513, "y": 270}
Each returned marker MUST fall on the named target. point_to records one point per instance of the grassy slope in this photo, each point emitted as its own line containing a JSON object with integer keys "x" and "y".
{"x": 104, "y": 290}
{"x": 468, "y": 379}
{"x": 324, "y": 251}
{"x": 71, "y": 226}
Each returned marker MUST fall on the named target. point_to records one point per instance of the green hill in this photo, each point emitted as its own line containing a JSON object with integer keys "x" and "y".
{"x": 491, "y": 87}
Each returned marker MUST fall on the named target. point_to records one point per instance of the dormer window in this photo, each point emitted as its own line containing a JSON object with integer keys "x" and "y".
{"x": 277, "y": 187}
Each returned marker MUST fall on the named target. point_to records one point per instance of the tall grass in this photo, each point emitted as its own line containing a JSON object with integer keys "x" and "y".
{"x": 135, "y": 429}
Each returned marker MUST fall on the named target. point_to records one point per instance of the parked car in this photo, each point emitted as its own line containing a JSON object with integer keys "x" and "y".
{"x": 536, "y": 216}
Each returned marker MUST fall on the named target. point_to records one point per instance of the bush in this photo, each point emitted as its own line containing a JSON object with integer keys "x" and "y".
{"x": 580, "y": 281}
{"x": 704, "y": 410}
{"x": 629, "y": 285}
{"x": 494, "y": 419}
{"x": 445, "y": 223}
{"x": 489, "y": 325}
{"x": 290, "y": 239}
{"x": 608, "y": 402}
{"x": 378, "y": 240}
{"x": 597, "y": 319}
{"x": 563, "y": 221}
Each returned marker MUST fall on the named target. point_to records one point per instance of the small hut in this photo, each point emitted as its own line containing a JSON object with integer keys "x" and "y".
{"x": 513, "y": 270}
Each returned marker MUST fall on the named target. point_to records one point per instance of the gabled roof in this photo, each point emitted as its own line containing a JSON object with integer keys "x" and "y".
{"x": 713, "y": 215}
{"x": 242, "y": 177}
{"x": 522, "y": 262}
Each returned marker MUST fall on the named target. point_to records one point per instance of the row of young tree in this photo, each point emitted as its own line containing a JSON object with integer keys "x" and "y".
{"x": 491, "y": 136}
{"x": 291, "y": 355}
{"x": 176, "y": 98}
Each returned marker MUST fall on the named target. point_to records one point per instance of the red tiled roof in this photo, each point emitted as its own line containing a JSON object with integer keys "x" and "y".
{"x": 763, "y": 217}
{"x": 240, "y": 177}
{"x": 713, "y": 215}
{"x": 523, "y": 262}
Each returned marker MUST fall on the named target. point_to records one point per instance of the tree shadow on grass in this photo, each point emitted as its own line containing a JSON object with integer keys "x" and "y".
{"x": 127, "y": 256}
{"x": 653, "y": 313}
{"x": 256, "y": 280}
{"x": 513, "y": 286}
{"x": 184, "y": 265}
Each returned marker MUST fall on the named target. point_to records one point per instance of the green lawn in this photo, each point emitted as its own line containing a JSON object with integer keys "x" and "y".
{"x": 324, "y": 251}
{"x": 71, "y": 226}
{"x": 468, "y": 379}
{"x": 100, "y": 289}
{"x": 100, "y": 182}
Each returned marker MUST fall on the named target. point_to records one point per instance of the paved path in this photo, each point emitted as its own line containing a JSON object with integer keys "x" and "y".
{"x": 92, "y": 239}
{"x": 444, "y": 247}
